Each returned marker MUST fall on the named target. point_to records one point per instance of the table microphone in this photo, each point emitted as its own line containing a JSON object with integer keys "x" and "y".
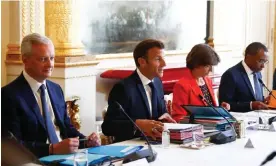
{"x": 270, "y": 92}
{"x": 272, "y": 119}
{"x": 225, "y": 136}
{"x": 149, "y": 153}
{"x": 269, "y": 157}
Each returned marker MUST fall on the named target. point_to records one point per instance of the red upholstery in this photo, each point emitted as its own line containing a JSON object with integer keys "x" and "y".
{"x": 171, "y": 76}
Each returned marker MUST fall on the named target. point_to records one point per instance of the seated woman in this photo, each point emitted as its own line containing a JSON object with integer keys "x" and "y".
{"x": 195, "y": 83}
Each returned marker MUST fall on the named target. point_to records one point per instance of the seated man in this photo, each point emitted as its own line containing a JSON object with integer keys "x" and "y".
{"x": 33, "y": 108}
{"x": 140, "y": 95}
{"x": 239, "y": 85}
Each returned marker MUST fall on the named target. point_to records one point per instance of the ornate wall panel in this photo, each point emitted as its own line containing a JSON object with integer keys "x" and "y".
{"x": 62, "y": 26}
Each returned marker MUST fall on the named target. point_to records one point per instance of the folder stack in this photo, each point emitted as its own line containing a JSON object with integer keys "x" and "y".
{"x": 182, "y": 133}
{"x": 209, "y": 123}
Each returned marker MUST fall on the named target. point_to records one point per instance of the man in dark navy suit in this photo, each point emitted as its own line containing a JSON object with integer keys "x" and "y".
{"x": 141, "y": 96}
{"x": 33, "y": 108}
{"x": 239, "y": 85}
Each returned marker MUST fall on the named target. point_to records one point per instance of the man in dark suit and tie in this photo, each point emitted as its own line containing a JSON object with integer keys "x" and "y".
{"x": 33, "y": 108}
{"x": 141, "y": 96}
{"x": 239, "y": 85}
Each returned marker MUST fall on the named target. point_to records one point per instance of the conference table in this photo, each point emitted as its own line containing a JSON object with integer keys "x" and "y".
{"x": 230, "y": 154}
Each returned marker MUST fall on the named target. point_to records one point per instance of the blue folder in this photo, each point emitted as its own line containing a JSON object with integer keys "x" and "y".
{"x": 92, "y": 159}
{"x": 114, "y": 151}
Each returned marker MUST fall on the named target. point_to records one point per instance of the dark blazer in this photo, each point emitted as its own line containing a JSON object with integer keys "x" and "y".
{"x": 235, "y": 88}
{"x": 130, "y": 93}
{"x": 274, "y": 80}
{"x": 21, "y": 115}
{"x": 186, "y": 92}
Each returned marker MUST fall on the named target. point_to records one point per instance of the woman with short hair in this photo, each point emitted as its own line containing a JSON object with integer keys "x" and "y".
{"x": 195, "y": 85}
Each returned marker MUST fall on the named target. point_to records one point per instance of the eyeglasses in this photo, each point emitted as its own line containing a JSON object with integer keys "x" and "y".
{"x": 262, "y": 61}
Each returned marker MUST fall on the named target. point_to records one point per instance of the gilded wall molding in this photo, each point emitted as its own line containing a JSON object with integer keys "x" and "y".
{"x": 73, "y": 111}
{"x": 24, "y": 19}
{"x": 14, "y": 58}
{"x": 61, "y": 77}
{"x": 31, "y": 17}
{"x": 62, "y": 26}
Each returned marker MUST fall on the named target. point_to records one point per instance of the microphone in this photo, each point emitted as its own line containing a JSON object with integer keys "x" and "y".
{"x": 225, "y": 136}
{"x": 149, "y": 153}
{"x": 272, "y": 119}
{"x": 270, "y": 92}
{"x": 269, "y": 157}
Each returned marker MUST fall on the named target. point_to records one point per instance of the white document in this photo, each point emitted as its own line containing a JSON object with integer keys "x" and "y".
{"x": 178, "y": 126}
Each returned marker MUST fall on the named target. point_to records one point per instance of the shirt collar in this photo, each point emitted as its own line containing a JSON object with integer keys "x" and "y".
{"x": 35, "y": 85}
{"x": 246, "y": 68}
{"x": 144, "y": 79}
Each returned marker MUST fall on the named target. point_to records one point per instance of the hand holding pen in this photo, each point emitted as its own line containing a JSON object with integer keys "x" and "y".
{"x": 92, "y": 140}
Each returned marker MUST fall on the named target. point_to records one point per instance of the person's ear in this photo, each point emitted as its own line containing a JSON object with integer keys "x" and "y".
{"x": 142, "y": 61}
{"x": 24, "y": 59}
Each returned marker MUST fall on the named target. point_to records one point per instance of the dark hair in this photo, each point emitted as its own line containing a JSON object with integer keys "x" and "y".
{"x": 201, "y": 55}
{"x": 254, "y": 48}
{"x": 142, "y": 48}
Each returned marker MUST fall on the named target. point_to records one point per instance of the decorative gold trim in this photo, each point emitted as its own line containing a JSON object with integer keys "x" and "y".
{"x": 74, "y": 112}
{"x": 67, "y": 65}
{"x": 13, "y": 49}
{"x": 61, "y": 25}
{"x": 32, "y": 16}
{"x": 61, "y": 78}
{"x": 8, "y": 62}
{"x": 210, "y": 42}
{"x": 24, "y": 17}
{"x": 168, "y": 53}
{"x": 57, "y": 65}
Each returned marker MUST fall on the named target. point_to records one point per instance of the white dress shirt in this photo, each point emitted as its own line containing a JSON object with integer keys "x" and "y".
{"x": 145, "y": 81}
{"x": 250, "y": 75}
{"x": 35, "y": 88}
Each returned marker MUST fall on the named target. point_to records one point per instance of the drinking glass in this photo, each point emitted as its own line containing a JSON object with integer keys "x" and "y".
{"x": 80, "y": 158}
{"x": 198, "y": 138}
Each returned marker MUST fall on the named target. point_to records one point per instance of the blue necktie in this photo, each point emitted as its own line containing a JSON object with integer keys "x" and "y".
{"x": 258, "y": 91}
{"x": 154, "y": 109}
{"x": 47, "y": 118}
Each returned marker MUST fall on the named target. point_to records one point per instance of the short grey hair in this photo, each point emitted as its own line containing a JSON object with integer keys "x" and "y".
{"x": 31, "y": 39}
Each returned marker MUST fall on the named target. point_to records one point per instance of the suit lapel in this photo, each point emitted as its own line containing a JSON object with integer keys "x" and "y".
{"x": 155, "y": 104}
{"x": 144, "y": 96}
{"x": 28, "y": 95}
{"x": 142, "y": 91}
{"x": 246, "y": 79}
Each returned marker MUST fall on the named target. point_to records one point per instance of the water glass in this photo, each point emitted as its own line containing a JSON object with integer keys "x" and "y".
{"x": 198, "y": 137}
{"x": 80, "y": 158}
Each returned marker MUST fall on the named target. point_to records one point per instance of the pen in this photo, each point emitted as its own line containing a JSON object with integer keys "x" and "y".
{"x": 83, "y": 139}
